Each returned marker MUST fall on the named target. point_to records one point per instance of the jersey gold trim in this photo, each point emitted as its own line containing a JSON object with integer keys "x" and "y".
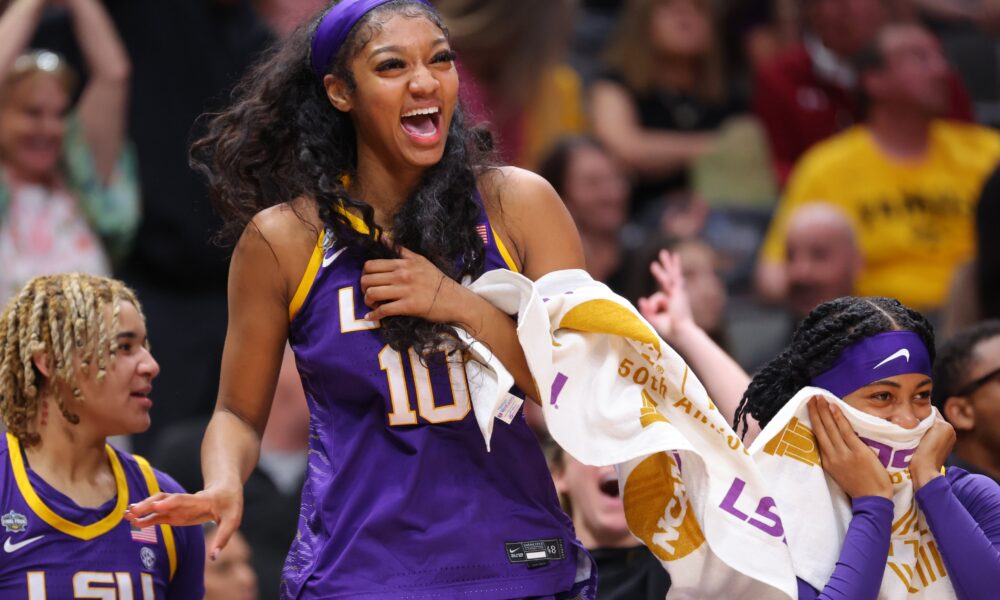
{"x": 305, "y": 284}
{"x": 83, "y": 532}
{"x": 503, "y": 252}
{"x": 168, "y": 533}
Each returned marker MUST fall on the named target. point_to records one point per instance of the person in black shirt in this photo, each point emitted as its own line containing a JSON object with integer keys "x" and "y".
{"x": 664, "y": 94}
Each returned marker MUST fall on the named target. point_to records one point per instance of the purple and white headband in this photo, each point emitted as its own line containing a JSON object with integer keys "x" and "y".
{"x": 332, "y": 31}
{"x": 874, "y": 358}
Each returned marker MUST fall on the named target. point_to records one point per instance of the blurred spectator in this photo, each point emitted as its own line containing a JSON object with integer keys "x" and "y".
{"x": 821, "y": 257}
{"x": 975, "y": 290}
{"x": 983, "y": 14}
{"x": 698, "y": 265}
{"x": 187, "y": 54}
{"x": 908, "y": 181}
{"x": 595, "y": 191}
{"x": 755, "y": 32}
{"x": 69, "y": 199}
{"x": 808, "y": 93}
{"x": 665, "y": 94}
{"x": 283, "y": 16}
{"x": 510, "y": 55}
{"x": 967, "y": 392}
{"x": 230, "y": 576}
{"x": 627, "y": 570}
{"x": 271, "y": 494}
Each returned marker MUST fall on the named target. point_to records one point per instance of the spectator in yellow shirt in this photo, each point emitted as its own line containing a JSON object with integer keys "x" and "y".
{"x": 908, "y": 181}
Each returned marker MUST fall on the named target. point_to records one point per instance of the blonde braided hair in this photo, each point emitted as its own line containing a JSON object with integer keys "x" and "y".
{"x": 63, "y": 317}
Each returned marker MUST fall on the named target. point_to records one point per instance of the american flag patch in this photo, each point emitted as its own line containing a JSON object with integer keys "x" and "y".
{"x": 481, "y": 230}
{"x": 146, "y": 534}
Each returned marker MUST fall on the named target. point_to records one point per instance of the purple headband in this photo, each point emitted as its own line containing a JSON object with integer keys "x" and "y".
{"x": 873, "y": 358}
{"x": 336, "y": 25}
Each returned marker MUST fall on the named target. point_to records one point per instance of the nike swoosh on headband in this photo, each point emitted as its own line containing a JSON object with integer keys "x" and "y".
{"x": 904, "y": 353}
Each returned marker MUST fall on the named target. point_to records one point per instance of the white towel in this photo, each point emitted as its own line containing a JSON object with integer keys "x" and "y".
{"x": 614, "y": 393}
{"x": 816, "y": 512}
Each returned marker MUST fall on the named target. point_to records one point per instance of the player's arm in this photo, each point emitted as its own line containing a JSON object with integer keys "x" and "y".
{"x": 258, "y": 295}
{"x": 535, "y": 225}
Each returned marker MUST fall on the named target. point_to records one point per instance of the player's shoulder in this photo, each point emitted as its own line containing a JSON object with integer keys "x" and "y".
{"x": 515, "y": 189}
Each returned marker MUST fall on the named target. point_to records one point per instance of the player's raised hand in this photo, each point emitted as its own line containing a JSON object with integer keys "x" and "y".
{"x": 411, "y": 286}
{"x": 218, "y": 504}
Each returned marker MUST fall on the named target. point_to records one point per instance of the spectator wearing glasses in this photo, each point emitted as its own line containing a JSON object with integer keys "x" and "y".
{"x": 967, "y": 392}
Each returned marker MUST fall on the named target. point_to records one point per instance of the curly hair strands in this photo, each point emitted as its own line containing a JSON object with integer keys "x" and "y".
{"x": 62, "y": 317}
{"x": 817, "y": 343}
{"x": 282, "y": 139}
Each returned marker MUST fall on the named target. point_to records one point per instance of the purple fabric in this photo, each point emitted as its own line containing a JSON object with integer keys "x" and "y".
{"x": 858, "y": 574}
{"x": 61, "y": 557}
{"x": 418, "y": 510}
{"x": 963, "y": 513}
{"x": 332, "y": 31}
{"x": 874, "y": 358}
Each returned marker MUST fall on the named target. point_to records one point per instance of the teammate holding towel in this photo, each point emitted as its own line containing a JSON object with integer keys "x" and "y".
{"x": 363, "y": 199}
{"x": 75, "y": 368}
{"x": 876, "y": 355}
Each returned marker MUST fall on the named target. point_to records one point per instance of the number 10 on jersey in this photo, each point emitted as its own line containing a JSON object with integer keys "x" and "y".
{"x": 402, "y": 413}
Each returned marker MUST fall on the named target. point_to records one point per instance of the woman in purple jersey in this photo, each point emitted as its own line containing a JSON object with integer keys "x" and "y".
{"x": 834, "y": 348}
{"x": 361, "y": 199}
{"x": 75, "y": 369}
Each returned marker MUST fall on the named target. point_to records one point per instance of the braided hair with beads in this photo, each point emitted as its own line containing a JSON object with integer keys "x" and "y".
{"x": 63, "y": 317}
{"x": 817, "y": 343}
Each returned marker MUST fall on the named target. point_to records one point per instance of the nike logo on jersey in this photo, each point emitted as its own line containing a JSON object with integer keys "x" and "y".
{"x": 8, "y": 547}
{"x": 904, "y": 353}
{"x": 328, "y": 260}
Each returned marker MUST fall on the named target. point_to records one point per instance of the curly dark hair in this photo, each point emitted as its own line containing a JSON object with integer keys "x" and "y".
{"x": 281, "y": 139}
{"x": 817, "y": 343}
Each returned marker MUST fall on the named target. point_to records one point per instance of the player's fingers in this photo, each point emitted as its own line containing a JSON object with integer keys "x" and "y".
{"x": 143, "y": 507}
{"x": 226, "y": 527}
{"x": 836, "y": 439}
{"x": 383, "y": 293}
{"x": 819, "y": 431}
{"x": 851, "y": 439}
{"x": 376, "y": 279}
{"x": 381, "y": 265}
{"x": 391, "y": 309}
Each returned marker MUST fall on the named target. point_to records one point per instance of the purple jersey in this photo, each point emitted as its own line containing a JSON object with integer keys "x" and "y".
{"x": 54, "y": 548}
{"x": 402, "y": 499}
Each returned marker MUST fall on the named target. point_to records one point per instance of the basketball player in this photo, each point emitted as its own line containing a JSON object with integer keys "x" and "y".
{"x": 75, "y": 369}
{"x": 363, "y": 199}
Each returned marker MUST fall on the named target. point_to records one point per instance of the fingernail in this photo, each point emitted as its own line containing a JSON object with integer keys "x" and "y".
{"x": 215, "y": 555}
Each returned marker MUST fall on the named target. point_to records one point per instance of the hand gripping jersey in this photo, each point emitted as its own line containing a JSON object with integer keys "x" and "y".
{"x": 402, "y": 500}
{"x": 53, "y": 548}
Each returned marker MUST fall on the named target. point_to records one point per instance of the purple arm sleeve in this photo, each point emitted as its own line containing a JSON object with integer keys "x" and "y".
{"x": 963, "y": 513}
{"x": 189, "y": 579}
{"x": 859, "y": 571}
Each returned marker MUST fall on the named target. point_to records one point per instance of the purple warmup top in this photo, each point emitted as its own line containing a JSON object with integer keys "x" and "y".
{"x": 963, "y": 513}
{"x": 401, "y": 499}
{"x": 54, "y": 548}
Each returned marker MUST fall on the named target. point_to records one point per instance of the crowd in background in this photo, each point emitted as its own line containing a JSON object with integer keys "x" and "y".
{"x": 787, "y": 152}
